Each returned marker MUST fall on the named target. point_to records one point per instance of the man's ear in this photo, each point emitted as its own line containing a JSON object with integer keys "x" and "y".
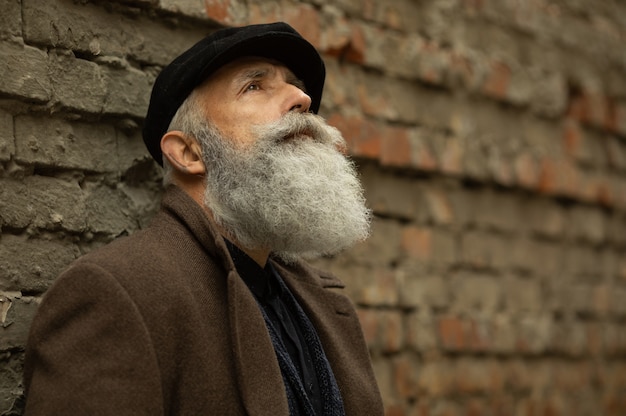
{"x": 183, "y": 153}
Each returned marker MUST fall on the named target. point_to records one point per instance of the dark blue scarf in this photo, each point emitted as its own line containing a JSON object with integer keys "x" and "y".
{"x": 299, "y": 403}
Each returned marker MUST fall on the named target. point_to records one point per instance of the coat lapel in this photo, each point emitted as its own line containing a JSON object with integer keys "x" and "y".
{"x": 337, "y": 326}
{"x": 259, "y": 378}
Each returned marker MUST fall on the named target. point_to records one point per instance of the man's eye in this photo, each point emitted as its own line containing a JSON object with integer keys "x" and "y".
{"x": 253, "y": 87}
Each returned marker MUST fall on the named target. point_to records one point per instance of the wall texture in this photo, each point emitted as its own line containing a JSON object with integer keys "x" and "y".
{"x": 491, "y": 137}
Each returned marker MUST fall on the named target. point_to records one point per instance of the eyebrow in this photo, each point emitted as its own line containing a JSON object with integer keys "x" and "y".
{"x": 262, "y": 72}
{"x": 250, "y": 74}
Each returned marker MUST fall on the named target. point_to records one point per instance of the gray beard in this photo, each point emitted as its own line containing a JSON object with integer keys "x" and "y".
{"x": 297, "y": 196}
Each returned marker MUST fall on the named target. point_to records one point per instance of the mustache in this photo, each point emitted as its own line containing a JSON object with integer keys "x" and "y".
{"x": 293, "y": 126}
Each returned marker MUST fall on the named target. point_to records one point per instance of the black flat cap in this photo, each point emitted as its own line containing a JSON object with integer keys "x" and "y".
{"x": 177, "y": 80}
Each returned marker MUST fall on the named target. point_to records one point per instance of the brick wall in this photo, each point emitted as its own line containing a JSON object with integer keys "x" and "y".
{"x": 491, "y": 137}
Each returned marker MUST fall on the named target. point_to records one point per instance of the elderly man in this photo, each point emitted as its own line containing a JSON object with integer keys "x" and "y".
{"x": 212, "y": 310}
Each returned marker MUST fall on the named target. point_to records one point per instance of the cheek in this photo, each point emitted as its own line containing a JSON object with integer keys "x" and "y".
{"x": 237, "y": 123}
{"x": 241, "y": 130}
{"x": 261, "y": 111}
{"x": 240, "y": 134}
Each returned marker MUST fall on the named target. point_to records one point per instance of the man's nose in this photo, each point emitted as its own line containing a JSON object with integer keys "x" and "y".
{"x": 297, "y": 99}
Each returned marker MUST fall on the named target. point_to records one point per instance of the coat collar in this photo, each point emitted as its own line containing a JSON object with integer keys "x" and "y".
{"x": 177, "y": 203}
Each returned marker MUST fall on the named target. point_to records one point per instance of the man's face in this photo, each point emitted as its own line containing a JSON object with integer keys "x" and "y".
{"x": 251, "y": 91}
{"x": 274, "y": 177}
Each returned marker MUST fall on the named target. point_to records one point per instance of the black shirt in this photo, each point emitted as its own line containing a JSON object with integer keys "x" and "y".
{"x": 270, "y": 295}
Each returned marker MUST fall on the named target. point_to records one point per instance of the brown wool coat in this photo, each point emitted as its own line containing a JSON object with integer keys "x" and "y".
{"x": 160, "y": 323}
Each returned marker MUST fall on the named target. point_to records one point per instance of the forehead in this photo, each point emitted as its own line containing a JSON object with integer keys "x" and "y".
{"x": 249, "y": 66}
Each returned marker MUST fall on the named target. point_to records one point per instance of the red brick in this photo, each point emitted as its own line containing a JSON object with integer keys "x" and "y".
{"x": 593, "y": 108}
{"x": 218, "y": 10}
{"x": 383, "y": 330}
{"x": 422, "y": 156}
{"x": 501, "y": 405}
{"x": 611, "y": 121}
{"x": 614, "y": 404}
{"x": 517, "y": 374}
{"x": 540, "y": 407}
{"x": 572, "y": 377}
{"x": 615, "y": 151}
{"x": 303, "y": 17}
{"x": 421, "y": 334}
{"x": 599, "y": 108}
{"x": 451, "y": 331}
{"x": 619, "y": 191}
{"x": 446, "y": 408}
{"x": 396, "y": 147}
{"x": 601, "y": 299}
{"x": 602, "y": 193}
{"x": 358, "y": 46}
{"x": 451, "y": 157}
{"x": 430, "y": 68}
{"x": 420, "y": 409}
{"x": 406, "y": 371}
{"x": 577, "y": 108}
{"x": 344, "y": 40}
{"x": 383, "y": 371}
{"x": 462, "y": 69}
{"x": 369, "y": 324}
{"x": 475, "y": 407}
{"x": 614, "y": 338}
{"x": 264, "y": 13}
{"x": 481, "y": 375}
{"x": 368, "y": 9}
{"x": 393, "y": 333}
{"x": 570, "y": 178}
{"x": 306, "y": 20}
{"x": 337, "y": 37}
{"x": 439, "y": 206}
{"x": 395, "y": 409}
{"x": 436, "y": 378}
{"x": 383, "y": 289}
{"x": 473, "y": 6}
{"x": 501, "y": 170}
{"x": 614, "y": 375}
{"x": 478, "y": 336}
{"x": 597, "y": 189}
{"x": 559, "y": 177}
{"x": 423, "y": 159}
{"x": 498, "y": 80}
{"x": 526, "y": 170}
{"x": 619, "y": 114}
{"x": 621, "y": 269}
{"x": 456, "y": 334}
{"x": 572, "y": 138}
{"x": 374, "y": 103}
{"x": 594, "y": 338}
{"x": 417, "y": 242}
{"x": 363, "y": 137}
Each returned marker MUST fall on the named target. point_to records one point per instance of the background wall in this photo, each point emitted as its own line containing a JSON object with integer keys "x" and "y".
{"x": 491, "y": 137}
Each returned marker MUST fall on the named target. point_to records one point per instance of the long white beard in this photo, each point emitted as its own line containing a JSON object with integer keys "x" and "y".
{"x": 295, "y": 195}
